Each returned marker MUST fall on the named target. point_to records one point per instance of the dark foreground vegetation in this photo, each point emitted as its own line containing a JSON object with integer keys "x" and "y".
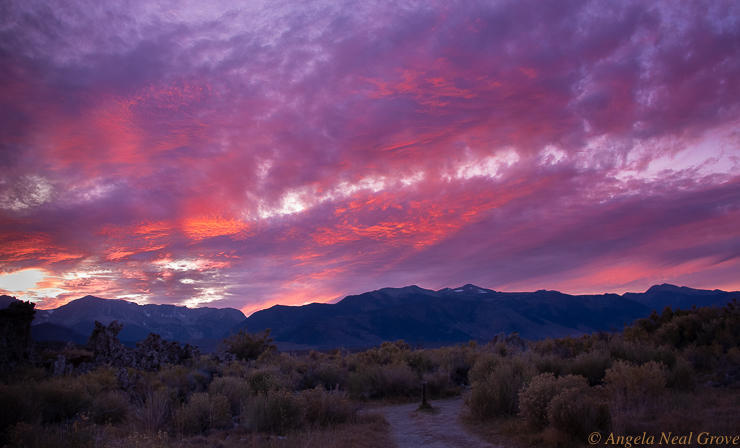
{"x": 671, "y": 372}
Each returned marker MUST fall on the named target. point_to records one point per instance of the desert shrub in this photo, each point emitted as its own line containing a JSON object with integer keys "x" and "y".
{"x": 63, "y": 398}
{"x": 275, "y": 412}
{"x": 566, "y": 347}
{"x": 388, "y": 353}
{"x": 701, "y": 358}
{"x": 498, "y": 394}
{"x": 322, "y": 408}
{"x": 80, "y": 433}
{"x": 139, "y": 440}
{"x": 248, "y": 346}
{"x": 680, "y": 376}
{"x": 155, "y": 412}
{"x": 383, "y": 381}
{"x": 549, "y": 363}
{"x": 636, "y": 383}
{"x": 198, "y": 380}
{"x": 591, "y": 365}
{"x": 203, "y": 412}
{"x": 110, "y": 406}
{"x": 484, "y": 365}
{"x": 420, "y": 361}
{"x": 326, "y": 374}
{"x": 458, "y": 361}
{"x": 19, "y": 404}
{"x": 535, "y": 398}
{"x": 578, "y": 411}
{"x": 438, "y": 381}
{"x": 234, "y": 389}
{"x": 637, "y": 352}
{"x": 175, "y": 378}
{"x": 101, "y": 379}
{"x": 266, "y": 379}
{"x": 235, "y": 368}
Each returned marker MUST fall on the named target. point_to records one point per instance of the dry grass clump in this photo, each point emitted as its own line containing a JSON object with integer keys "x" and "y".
{"x": 155, "y": 413}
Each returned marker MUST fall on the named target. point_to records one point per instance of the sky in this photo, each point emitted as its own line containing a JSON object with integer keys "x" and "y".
{"x": 246, "y": 154}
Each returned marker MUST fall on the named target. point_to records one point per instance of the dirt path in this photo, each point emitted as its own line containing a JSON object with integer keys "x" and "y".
{"x": 442, "y": 429}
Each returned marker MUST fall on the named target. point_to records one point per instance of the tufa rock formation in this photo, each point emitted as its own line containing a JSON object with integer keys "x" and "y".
{"x": 106, "y": 347}
{"x": 512, "y": 341}
{"x": 16, "y": 344}
{"x": 150, "y": 354}
{"x": 153, "y": 352}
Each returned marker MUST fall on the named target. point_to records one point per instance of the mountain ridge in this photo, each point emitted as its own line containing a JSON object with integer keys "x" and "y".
{"x": 468, "y": 312}
{"x": 412, "y": 313}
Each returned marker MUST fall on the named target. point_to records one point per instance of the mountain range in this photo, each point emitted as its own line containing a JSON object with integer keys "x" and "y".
{"x": 174, "y": 323}
{"x": 462, "y": 314}
{"x": 414, "y": 314}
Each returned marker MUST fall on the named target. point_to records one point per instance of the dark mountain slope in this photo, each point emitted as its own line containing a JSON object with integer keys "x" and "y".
{"x": 460, "y": 314}
{"x": 174, "y": 323}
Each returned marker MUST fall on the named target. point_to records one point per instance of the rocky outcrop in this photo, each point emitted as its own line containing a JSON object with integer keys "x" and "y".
{"x": 153, "y": 352}
{"x": 512, "y": 341}
{"x": 16, "y": 344}
{"x": 150, "y": 354}
{"x": 106, "y": 347}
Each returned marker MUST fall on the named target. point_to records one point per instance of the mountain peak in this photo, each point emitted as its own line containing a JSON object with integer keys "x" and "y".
{"x": 468, "y": 289}
{"x": 666, "y": 287}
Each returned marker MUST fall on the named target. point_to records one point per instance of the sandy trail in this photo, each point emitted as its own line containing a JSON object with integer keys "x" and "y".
{"x": 424, "y": 429}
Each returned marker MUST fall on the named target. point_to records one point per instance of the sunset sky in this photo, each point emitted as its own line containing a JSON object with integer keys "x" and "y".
{"x": 245, "y": 154}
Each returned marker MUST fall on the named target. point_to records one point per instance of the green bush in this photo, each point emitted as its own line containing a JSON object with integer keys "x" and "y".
{"x": 275, "y": 412}
{"x": 203, "y": 412}
{"x": 535, "y": 398}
